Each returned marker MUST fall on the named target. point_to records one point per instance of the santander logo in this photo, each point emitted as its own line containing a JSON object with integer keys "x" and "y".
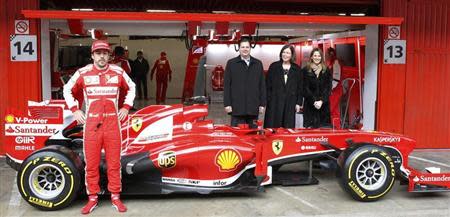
{"x": 10, "y": 130}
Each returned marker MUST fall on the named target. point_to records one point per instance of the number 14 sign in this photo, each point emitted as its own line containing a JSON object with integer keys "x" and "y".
{"x": 23, "y": 47}
{"x": 394, "y": 52}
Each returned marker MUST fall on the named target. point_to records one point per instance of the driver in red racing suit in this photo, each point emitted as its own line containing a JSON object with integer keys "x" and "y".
{"x": 163, "y": 71}
{"x": 102, "y": 84}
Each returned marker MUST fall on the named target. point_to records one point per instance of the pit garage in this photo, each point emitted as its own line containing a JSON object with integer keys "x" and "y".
{"x": 185, "y": 40}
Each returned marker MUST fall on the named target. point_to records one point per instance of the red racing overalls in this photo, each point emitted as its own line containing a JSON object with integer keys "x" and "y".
{"x": 101, "y": 90}
{"x": 163, "y": 75}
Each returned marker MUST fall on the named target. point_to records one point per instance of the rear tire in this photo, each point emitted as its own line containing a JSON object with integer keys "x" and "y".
{"x": 366, "y": 172}
{"x": 48, "y": 180}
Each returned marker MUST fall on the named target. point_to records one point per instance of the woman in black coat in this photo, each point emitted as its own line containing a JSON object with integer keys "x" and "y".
{"x": 317, "y": 89}
{"x": 284, "y": 90}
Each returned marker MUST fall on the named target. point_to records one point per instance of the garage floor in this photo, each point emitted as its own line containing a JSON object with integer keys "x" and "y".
{"x": 325, "y": 199}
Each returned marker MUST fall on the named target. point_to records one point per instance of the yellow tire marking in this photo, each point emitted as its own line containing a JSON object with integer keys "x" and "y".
{"x": 387, "y": 189}
{"x": 70, "y": 192}
{"x": 21, "y": 178}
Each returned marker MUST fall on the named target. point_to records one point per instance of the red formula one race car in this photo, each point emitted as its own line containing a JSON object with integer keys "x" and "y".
{"x": 169, "y": 149}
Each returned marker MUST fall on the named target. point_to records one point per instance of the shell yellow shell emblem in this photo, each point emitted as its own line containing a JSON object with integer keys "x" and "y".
{"x": 136, "y": 124}
{"x": 277, "y": 146}
{"x": 9, "y": 118}
{"x": 228, "y": 159}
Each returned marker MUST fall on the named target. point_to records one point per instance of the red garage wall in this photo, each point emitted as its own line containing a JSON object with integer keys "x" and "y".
{"x": 414, "y": 99}
{"x": 19, "y": 81}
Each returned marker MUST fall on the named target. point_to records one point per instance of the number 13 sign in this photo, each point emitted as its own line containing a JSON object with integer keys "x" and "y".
{"x": 394, "y": 52}
{"x": 23, "y": 47}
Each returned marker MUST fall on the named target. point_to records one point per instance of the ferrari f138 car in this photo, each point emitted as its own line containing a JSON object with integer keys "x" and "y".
{"x": 174, "y": 148}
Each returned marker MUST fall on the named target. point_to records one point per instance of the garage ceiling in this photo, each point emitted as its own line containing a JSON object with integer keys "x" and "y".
{"x": 174, "y": 29}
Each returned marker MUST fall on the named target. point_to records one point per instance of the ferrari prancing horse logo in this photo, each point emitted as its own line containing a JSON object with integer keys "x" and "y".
{"x": 136, "y": 124}
{"x": 277, "y": 146}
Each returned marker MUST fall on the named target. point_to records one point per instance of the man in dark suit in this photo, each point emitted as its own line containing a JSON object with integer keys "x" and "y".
{"x": 140, "y": 72}
{"x": 244, "y": 87}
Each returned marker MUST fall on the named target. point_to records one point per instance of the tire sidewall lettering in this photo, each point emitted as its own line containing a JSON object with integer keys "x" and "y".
{"x": 358, "y": 156}
{"x": 65, "y": 166}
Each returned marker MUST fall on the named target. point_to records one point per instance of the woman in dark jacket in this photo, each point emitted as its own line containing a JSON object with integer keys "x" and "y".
{"x": 284, "y": 90}
{"x": 317, "y": 89}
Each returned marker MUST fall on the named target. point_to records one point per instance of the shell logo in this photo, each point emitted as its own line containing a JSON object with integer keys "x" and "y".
{"x": 228, "y": 159}
{"x": 9, "y": 118}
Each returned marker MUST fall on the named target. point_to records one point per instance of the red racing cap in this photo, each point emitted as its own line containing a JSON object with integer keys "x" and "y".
{"x": 100, "y": 45}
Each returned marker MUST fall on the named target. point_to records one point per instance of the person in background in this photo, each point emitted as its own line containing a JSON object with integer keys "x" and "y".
{"x": 335, "y": 69}
{"x": 317, "y": 89}
{"x": 140, "y": 72}
{"x": 130, "y": 63}
{"x": 284, "y": 84}
{"x": 244, "y": 87}
{"x": 163, "y": 76}
{"x": 121, "y": 60}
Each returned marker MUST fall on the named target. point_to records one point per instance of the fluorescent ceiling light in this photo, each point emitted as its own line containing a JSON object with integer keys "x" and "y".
{"x": 342, "y": 14}
{"x": 223, "y": 12}
{"x": 358, "y": 15}
{"x": 161, "y": 11}
{"x": 304, "y": 13}
{"x": 82, "y": 9}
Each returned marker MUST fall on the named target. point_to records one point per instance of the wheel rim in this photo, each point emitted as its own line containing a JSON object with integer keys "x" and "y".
{"x": 371, "y": 173}
{"x": 46, "y": 181}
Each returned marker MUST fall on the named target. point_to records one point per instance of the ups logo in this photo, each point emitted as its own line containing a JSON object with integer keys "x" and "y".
{"x": 167, "y": 159}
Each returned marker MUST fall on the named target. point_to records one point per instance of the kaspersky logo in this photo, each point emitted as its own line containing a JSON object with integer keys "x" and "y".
{"x": 9, "y": 118}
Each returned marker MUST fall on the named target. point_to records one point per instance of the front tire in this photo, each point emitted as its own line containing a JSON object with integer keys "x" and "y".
{"x": 48, "y": 180}
{"x": 366, "y": 172}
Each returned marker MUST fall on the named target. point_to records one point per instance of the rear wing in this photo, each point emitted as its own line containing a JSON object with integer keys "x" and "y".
{"x": 25, "y": 133}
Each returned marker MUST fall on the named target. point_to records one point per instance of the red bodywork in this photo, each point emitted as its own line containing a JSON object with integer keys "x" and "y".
{"x": 190, "y": 150}
{"x": 217, "y": 78}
